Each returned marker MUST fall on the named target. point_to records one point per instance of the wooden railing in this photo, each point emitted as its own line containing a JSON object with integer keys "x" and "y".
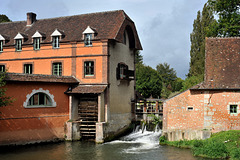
{"x": 145, "y": 108}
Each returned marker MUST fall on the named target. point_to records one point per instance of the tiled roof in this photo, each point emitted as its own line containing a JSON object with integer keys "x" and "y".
{"x": 109, "y": 25}
{"x": 40, "y": 78}
{"x": 88, "y": 89}
{"x": 222, "y": 63}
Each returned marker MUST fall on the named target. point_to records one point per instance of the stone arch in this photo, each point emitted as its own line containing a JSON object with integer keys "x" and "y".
{"x": 40, "y": 90}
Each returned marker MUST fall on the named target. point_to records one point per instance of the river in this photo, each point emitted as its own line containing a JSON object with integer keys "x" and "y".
{"x": 135, "y": 146}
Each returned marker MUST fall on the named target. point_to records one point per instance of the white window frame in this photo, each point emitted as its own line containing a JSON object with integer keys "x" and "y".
{"x": 2, "y": 68}
{"x": 233, "y": 104}
{"x": 18, "y": 45}
{"x": 36, "y": 43}
{"x": 28, "y": 68}
{"x": 88, "y": 39}
{"x": 55, "y": 42}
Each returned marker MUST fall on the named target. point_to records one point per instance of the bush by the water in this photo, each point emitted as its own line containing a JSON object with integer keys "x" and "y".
{"x": 224, "y": 144}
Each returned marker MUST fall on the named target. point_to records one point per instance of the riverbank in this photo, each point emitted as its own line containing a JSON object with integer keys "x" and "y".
{"x": 224, "y": 144}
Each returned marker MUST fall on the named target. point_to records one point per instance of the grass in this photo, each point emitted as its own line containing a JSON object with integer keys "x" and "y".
{"x": 224, "y": 144}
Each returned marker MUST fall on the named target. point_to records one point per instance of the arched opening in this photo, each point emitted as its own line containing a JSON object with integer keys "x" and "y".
{"x": 131, "y": 37}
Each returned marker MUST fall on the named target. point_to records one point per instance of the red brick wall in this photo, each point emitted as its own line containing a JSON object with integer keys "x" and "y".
{"x": 210, "y": 111}
{"x": 21, "y": 125}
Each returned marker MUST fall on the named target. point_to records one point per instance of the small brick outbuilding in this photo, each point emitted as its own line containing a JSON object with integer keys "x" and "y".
{"x": 213, "y": 105}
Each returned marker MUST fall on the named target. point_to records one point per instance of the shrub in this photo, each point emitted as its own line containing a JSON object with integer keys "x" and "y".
{"x": 162, "y": 140}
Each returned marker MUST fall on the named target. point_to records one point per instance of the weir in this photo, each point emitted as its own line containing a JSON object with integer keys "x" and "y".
{"x": 140, "y": 140}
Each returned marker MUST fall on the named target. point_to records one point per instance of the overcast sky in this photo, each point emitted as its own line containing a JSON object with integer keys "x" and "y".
{"x": 164, "y": 26}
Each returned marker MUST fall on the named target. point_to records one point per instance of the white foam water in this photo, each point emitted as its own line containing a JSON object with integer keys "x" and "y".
{"x": 141, "y": 140}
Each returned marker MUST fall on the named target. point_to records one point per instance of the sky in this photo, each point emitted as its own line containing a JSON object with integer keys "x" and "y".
{"x": 163, "y": 26}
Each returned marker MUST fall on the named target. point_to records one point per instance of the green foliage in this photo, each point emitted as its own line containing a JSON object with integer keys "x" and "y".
{"x": 155, "y": 119}
{"x": 191, "y": 81}
{"x": 148, "y": 81}
{"x": 162, "y": 140}
{"x": 201, "y": 28}
{"x": 4, "y": 100}
{"x": 228, "y": 17}
{"x": 177, "y": 85}
{"x": 139, "y": 57}
{"x": 4, "y": 18}
{"x": 223, "y": 144}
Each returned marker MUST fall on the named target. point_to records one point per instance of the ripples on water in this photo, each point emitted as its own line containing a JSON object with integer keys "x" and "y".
{"x": 135, "y": 146}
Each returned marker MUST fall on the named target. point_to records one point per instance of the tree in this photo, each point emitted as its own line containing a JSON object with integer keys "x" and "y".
{"x": 191, "y": 81}
{"x": 201, "y": 28}
{"x": 168, "y": 74}
{"x": 148, "y": 81}
{"x": 139, "y": 57}
{"x": 4, "y": 100}
{"x": 228, "y": 12}
{"x": 4, "y": 18}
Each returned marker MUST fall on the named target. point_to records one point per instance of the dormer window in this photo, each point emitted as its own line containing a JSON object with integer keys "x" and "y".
{"x": 88, "y": 39}
{"x": 37, "y": 38}
{"x": 56, "y": 37}
{"x": 19, "y": 41}
{"x": 18, "y": 44}
{"x": 36, "y": 43}
{"x": 88, "y": 34}
{"x": 55, "y": 41}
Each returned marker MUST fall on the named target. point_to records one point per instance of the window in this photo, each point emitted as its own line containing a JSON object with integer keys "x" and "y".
{"x": 55, "y": 41}
{"x": 123, "y": 73}
{"x": 88, "y": 39}
{"x": 190, "y": 108}
{"x": 39, "y": 99}
{"x": 2, "y": 68}
{"x": 57, "y": 69}
{"x": 1, "y": 46}
{"x": 18, "y": 45}
{"x": 233, "y": 108}
{"x": 36, "y": 43}
{"x": 88, "y": 68}
{"x": 28, "y": 68}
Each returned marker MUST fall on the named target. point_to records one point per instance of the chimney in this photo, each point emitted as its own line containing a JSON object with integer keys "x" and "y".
{"x": 31, "y": 18}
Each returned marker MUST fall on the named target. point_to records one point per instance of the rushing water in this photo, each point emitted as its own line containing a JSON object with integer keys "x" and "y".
{"x": 138, "y": 145}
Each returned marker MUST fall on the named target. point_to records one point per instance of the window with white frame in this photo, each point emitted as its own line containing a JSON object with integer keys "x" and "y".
{"x": 57, "y": 69}
{"x": 36, "y": 43}
{"x": 88, "y": 39}
{"x": 55, "y": 41}
{"x": 18, "y": 44}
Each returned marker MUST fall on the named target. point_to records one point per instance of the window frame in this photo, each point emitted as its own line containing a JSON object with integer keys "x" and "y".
{"x": 2, "y": 66}
{"x": 18, "y": 45}
{"x": 55, "y": 42}
{"x": 59, "y": 71}
{"x": 28, "y": 67}
{"x": 88, "y": 39}
{"x": 93, "y": 69}
{"x": 40, "y": 90}
{"x": 36, "y": 43}
{"x": 1, "y": 46}
{"x": 233, "y": 110}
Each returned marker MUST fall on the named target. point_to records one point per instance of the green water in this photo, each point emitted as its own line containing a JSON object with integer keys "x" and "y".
{"x": 136, "y": 146}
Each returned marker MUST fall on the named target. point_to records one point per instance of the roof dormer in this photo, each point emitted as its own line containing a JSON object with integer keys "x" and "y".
{"x": 4, "y": 38}
{"x": 57, "y": 35}
{"x": 21, "y": 36}
{"x": 38, "y": 34}
{"x": 89, "y": 34}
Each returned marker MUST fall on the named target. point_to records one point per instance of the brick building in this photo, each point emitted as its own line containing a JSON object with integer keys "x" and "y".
{"x": 70, "y": 77}
{"x": 213, "y": 105}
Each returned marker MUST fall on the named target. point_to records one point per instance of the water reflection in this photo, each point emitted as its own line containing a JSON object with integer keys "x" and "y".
{"x": 136, "y": 146}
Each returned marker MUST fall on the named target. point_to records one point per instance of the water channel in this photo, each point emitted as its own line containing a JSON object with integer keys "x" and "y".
{"x": 135, "y": 146}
